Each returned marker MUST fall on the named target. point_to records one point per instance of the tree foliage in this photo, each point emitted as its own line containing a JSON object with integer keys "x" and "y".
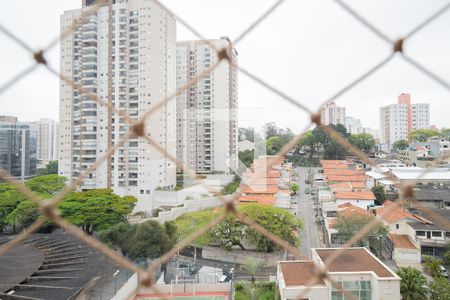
{"x": 46, "y": 185}
{"x": 50, "y": 168}
{"x": 145, "y": 240}
{"x": 231, "y": 187}
{"x": 276, "y": 138}
{"x": 422, "y": 135}
{"x": 294, "y": 187}
{"x": 231, "y": 232}
{"x": 380, "y": 194}
{"x": 96, "y": 209}
{"x": 347, "y": 225}
{"x": 433, "y": 265}
{"x": 364, "y": 142}
{"x": 412, "y": 284}
{"x": 439, "y": 289}
{"x": 400, "y": 145}
{"x": 247, "y": 157}
{"x": 247, "y": 133}
{"x": 253, "y": 266}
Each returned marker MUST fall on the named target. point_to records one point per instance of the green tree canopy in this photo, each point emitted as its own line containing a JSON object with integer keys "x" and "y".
{"x": 400, "y": 145}
{"x": 46, "y": 185}
{"x": 422, "y": 135}
{"x": 439, "y": 289}
{"x": 347, "y": 225}
{"x": 445, "y": 133}
{"x": 413, "y": 284}
{"x": 433, "y": 265}
{"x": 96, "y": 209}
{"x": 145, "y": 240}
{"x": 294, "y": 187}
{"x": 380, "y": 194}
{"x": 364, "y": 142}
{"x": 50, "y": 168}
{"x": 232, "y": 232}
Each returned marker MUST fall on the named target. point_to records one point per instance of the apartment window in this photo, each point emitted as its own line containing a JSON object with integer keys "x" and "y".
{"x": 420, "y": 233}
{"x": 360, "y": 289}
{"x": 397, "y": 226}
{"x": 436, "y": 234}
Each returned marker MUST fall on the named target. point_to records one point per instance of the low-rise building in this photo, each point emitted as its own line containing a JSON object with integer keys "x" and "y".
{"x": 363, "y": 199}
{"x": 356, "y": 269}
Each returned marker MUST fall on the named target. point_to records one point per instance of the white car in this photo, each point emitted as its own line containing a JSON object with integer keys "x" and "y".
{"x": 444, "y": 272}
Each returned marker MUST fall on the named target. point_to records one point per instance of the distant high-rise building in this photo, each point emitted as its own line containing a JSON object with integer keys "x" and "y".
{"x": 353, "y": 125}
{"x": 330, "y": 113}
{"x": 207, "y": 111}
{"x": 397, "y": 121}
{"x": 125, "y": 53}
{"x": 46, "y": 131}
{"x": 17, "y": 148}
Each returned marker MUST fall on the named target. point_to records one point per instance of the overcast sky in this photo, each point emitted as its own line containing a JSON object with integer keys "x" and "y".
{"x": 309, "y": 49}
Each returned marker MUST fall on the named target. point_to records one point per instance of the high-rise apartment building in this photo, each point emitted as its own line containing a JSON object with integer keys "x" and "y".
{"x": 125, "y": 53}
{"x": 397, "y": 121}
{"x": 330, "y": 113}
{"x": 207, "y": 111}
{"x": 46, "y": 131}
{"x": 17, "y": 148}
{"x": 353, "y": 125}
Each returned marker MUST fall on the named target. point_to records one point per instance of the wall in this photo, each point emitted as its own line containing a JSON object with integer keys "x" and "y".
{"x": 406, "y": 256}
{"x": 240, "y": 256}
{"x": 188, "y": 206}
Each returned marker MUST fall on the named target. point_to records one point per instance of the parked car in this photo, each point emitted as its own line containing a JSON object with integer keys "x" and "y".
{"x": 306, "y": 181}
{"x": 307, "y": 190}
{"x": 444, "y": 272}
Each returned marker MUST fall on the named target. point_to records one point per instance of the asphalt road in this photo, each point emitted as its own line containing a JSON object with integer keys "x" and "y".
{"x": 309, "y": 235}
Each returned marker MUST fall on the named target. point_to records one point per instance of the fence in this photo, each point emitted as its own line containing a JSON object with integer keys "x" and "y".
{"x": 49, "y": 211}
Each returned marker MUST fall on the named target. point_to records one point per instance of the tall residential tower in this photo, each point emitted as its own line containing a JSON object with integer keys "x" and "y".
{"x": 330, "y": 113}
{"x": 207, "y": 111}
{"x": 397, "y": 121}
{"x": 125, "y": 53}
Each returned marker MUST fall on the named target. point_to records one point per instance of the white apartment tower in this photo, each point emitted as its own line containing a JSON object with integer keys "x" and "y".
{"x": 207, "y": 111}
{"x": 125, "y": 53}
{"x": 47, "y": 140}
{"x": 398, "y": 120}
{"x": 330, "y": 113}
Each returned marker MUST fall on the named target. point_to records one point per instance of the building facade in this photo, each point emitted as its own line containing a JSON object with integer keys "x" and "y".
{"x": 398, "y": 120}
{"x": 47, "y": 140}
{"x": 125, "y": 53}
{"x": 17, "y": 148}
{"x": 207, "y": 112}
{"x": 353, "y": 125}
{"x": 330, "y": 113}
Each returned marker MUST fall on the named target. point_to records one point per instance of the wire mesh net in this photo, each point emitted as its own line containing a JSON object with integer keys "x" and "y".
{"x": 49, "y": 211}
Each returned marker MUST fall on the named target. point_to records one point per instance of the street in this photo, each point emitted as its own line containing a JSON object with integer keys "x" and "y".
{"x": 309, "y": 235}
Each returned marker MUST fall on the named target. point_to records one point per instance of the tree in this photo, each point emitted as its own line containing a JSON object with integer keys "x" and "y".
{"x": 246, "y": 157}
{"x": 447, "y": 257}
{"x": 412, "y": 284}
{"x": 250, "y": 290}
{"x": 294, "y": 188}
{"x": 400, "y": 145}
{"x": 46, "y": 185}
{"x": 50, "y": 168}
{"x": 380, "y": 194}
{"x": 433, "y": 266}
{"x": 231, "y": 187}
{"x": 422, "y": 135}
{"x": 24, "y": 214}
{"x": 439, "y": 289}
{"x": 96, "y": 209}
{"x": 278, "y": 221}
{"x": 445, "y": 133}
{"x": 347, "y": 225}
{"x": 273, "y": 145}
{"x": 10, "y": 198}
{"x": 253, "y": 266}
{"x": 144, "y": 240}
{"x": 308, "y": 141}
{"x": 228, "y": 233}
{"x": 246, "y": 134}
{"x": 271, "y": 129}
{"x": 364, "y": 142}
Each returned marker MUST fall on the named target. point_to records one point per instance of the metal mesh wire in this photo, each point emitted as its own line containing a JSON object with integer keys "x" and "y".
{"x": 48, "y": 208}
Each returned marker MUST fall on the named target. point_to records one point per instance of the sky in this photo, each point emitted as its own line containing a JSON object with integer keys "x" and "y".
{"x": 308, "y": 49}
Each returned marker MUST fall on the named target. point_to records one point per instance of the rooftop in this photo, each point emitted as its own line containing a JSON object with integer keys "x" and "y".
{"x": 439, "y": 217}
{"x": 256, "y": 199}
{"x": 365, "y": 195}
{"x": 334, "y": 164}
{"x": 354, "y": 260}
{"x": 351, "y": 178}
{"x": 402, "y": 241}
{"x": 392, "y": 215}
{"x": 348, "y": 209}
{"x": 348, "y": 185}
{"x": 342, "y": 172}
{"x": 434, "y": 193}
{"x": 299, "y": 273}
{"x": 412, "y": 173}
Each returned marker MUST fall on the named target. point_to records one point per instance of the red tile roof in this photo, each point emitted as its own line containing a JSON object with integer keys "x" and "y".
{"x": 396, "y": 214}
{"x": 259, "y": 189}
{"x": 366, "y": 195}
{"x": 262, "y": 181}
{"x": 256, "y": 199}
{"x": 334, "y": 164}
{"x": 342, "y": 172}
{"x": 402, "y": 241}
{"x": 348, "y": 185}
{"x": 348, "y": 210}
{"x": 350, "y": 178}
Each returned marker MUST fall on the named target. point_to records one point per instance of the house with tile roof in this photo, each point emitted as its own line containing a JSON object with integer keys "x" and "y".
{"x": 362, "y": 199}
{"x": 357, "y": 269}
